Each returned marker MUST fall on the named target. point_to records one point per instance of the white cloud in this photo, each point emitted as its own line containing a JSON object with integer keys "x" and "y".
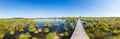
{"x": 107, "y": 8}
{"x": 114, "y": 4}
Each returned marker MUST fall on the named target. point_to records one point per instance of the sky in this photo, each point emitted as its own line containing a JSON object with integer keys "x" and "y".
{"x": 59, "y": 8}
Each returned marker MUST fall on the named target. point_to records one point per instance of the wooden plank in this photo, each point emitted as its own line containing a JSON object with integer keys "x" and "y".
{"x": 79, "y": 32}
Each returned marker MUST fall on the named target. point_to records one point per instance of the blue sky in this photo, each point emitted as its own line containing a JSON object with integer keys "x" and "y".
{"x": 59, "y": 8}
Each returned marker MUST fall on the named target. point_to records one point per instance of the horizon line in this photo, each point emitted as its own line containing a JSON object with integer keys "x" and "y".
{"x": 59, "y": 16}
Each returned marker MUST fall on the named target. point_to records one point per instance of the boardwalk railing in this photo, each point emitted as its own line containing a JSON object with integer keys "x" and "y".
{"x": 79, "y": 32}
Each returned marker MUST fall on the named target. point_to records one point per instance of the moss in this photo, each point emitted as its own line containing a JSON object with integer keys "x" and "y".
{"x": 102, "y": 27}
{"x": 66, "y": 33}
{"x": 28, "y": 34}
{"x": 71, "y": 26}
{"x": 24, "y": 36}
{"x": 48, "y": 25}
{"x": 1, "y": 35}
{"x": 51, "y": 35}
{"x": 46, "y": 30}
{"x": 55, "y": 25}
{"x": 12, "y": 32}
{"x": 65, "y": 28}
{"x": 61, "y": 34}
{"x": 34, "y": 38}
{"x": 36, "y": 32}
{"x": 32, "y": 29}
{"x": 39, "y": 29}
{"x": 45, "y": 24}
{"x": 21, "y": 29}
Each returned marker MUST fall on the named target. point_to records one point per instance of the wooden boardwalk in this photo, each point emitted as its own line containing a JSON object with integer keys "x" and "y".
{"x": 79, "y": 32}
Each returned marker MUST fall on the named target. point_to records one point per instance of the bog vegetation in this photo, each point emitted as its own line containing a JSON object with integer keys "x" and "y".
{"x": 95, "y": 27}
{"x": 15, "y": 28}
{"x": 102, "y": 28}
